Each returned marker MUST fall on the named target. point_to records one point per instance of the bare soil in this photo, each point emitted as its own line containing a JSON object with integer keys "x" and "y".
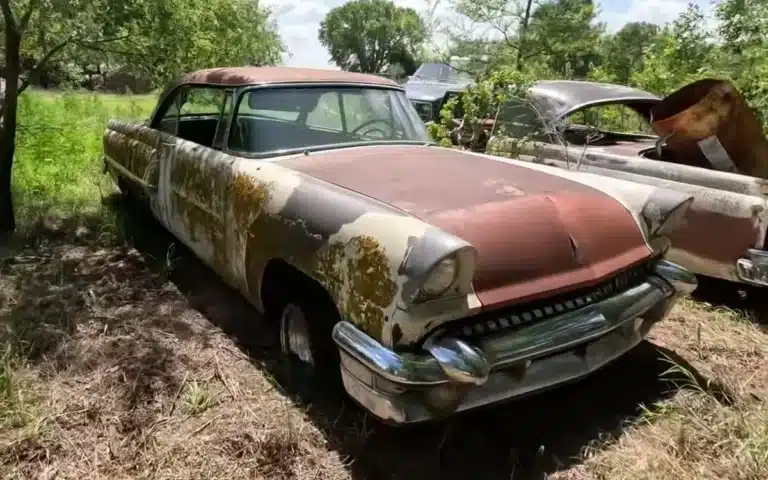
{"x": 125, "y": 357}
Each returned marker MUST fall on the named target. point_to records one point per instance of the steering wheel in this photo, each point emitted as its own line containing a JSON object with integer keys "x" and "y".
{"x": 375, "y": 129}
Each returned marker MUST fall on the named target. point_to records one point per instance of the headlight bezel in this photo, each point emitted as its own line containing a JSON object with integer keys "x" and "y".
{"x": 455, "y": 266}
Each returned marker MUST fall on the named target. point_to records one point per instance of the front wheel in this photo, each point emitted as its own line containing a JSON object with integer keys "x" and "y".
{"x": 306, "y": 321}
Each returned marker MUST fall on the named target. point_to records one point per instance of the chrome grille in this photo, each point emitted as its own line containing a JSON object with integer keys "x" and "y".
{"x": 521, "y": 315}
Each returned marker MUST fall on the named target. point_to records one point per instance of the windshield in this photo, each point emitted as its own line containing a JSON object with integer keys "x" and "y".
{"x": 440, "y": 72}
{"x": 311, "y": 118}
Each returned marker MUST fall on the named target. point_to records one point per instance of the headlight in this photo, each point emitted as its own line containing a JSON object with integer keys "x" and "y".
{"x": 441, "y": 277}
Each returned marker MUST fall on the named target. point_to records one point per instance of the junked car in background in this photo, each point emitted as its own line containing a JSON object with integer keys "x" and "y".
{"x": 702, "y": 140}
{"x": 432, "y": 280}
{"x": 432, "y": 86}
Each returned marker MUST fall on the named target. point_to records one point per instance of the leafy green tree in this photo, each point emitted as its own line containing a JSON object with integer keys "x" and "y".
{"x": 161, "y": 38}
{"x": 369, "y": 35}
{"x": 681, "y": 53}
{"x": 743, "y": 28}
{"x": 565, "y": 35}
{"x": 185, "y": 35}
{"x": 624, "y": 52}
{"x": 509, "y": 19}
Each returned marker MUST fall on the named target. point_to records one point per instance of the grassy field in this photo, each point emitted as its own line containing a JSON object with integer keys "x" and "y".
{"x": 121, "y": 356}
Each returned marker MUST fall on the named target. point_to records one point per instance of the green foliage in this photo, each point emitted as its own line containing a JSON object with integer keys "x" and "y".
{"x": 624, "y": 52}
{"x": 156, "y": 39}
{"x": 562, "y": 39}
{"x": 479, "y": 102}
{"x": 59, "y": 147}
{"x": 564, "y": 36}
{"x": 369, "y": 35}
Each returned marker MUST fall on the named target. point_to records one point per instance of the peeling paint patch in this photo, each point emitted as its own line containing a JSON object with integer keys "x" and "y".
{"x": 360, "y": 272}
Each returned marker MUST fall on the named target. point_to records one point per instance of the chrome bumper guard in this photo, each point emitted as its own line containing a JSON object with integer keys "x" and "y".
{"x": 454, "y": 374}
{"x": 753, "y": 269}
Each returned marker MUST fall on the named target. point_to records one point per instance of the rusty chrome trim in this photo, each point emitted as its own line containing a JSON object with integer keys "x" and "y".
{"x": 127, "y": 173}
{"x": 754, "y": 268}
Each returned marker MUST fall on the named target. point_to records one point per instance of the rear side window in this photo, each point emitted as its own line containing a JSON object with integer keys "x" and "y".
{"x": 198, "y": 114}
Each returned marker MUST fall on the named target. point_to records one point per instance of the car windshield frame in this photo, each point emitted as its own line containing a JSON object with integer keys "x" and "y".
{"x": 406, "y": 115}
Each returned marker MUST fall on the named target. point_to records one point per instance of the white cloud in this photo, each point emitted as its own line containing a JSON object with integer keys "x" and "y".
{"x": 616, "y": 13}
{"x": 299, "y": 22}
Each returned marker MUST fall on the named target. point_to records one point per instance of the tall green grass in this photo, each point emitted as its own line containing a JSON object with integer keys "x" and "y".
{"x": 57, "y": 170}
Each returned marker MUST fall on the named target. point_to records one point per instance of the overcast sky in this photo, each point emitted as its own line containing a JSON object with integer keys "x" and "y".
{"x": 299, "y": 21}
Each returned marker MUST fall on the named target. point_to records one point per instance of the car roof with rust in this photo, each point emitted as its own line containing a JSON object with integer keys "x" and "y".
{"x": 244, "y": 76}
{"x": 559, "y": 97}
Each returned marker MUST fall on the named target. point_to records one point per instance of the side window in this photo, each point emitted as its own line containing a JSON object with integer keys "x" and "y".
{"x": 221, "y": 128}
{"x": 326, "y": 115}
{"x": 517, "y": 119}
{"x": 169, "y": 121}
{"x": 612, "y": 118}
{"x": 201, "y": 114}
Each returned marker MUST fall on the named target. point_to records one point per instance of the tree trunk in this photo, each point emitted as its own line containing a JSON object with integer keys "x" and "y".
{"x": 523, "y": 31}
{"x": 8, "y": 131}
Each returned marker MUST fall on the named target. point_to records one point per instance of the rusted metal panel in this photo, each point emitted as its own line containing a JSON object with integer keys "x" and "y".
{"x": 710, "y": 125}
{"x": 546, "y": 220}
{"x": 244, "y": 76}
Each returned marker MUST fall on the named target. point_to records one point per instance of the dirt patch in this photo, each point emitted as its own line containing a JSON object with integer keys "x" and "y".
{"x": 110, "y": 373}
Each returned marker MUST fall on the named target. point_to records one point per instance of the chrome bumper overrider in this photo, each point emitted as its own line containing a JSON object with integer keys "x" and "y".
{"x": 453, "y": 374}
{"x": 754, "y": 269}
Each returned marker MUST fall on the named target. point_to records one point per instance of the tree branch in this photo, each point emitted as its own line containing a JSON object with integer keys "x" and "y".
{"x": 33, "y": 4}
{"x": 47, "y": 57}
{"x": 118, "y": 52}
{"x": 10, "y": 19}
{"x": 40, "y": 64}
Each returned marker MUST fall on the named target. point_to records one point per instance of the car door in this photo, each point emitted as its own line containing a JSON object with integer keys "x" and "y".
{"x": 195, "y": 178}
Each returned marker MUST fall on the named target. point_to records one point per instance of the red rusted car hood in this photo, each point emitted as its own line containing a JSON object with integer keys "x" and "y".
{"x": 537, "y": 234}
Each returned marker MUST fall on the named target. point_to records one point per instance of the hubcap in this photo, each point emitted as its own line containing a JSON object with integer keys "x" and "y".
{"x": 294, "y": 333}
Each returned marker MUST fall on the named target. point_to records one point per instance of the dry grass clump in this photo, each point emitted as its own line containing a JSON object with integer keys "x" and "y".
{"x": 716, "y": 426}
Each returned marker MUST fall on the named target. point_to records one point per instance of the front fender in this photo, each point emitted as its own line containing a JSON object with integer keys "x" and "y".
{"x": 370, "y": 257}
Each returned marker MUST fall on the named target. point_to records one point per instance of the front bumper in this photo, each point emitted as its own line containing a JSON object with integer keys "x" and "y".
{"x": 754, "y": 268}
{"x": 452, "y": 374}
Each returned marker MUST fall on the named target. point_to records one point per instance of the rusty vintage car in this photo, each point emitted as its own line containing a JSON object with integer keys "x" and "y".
{"x": 431, "y": 280}
{"x": 701, "y": 140}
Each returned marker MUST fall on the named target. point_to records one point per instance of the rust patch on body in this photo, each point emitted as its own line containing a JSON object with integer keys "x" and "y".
{"x": 200, "y": 196}
{"x": 372, "y": 288}
{"x": 397, "y": 334}
{"x": 249, "y": 198}
{"x": 357, "y": 274}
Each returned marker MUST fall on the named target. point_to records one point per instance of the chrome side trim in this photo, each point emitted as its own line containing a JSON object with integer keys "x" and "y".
{"x": 753, "y": 269}
{"x": 125, "y": 172}
{"x": 452, "y": 360}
